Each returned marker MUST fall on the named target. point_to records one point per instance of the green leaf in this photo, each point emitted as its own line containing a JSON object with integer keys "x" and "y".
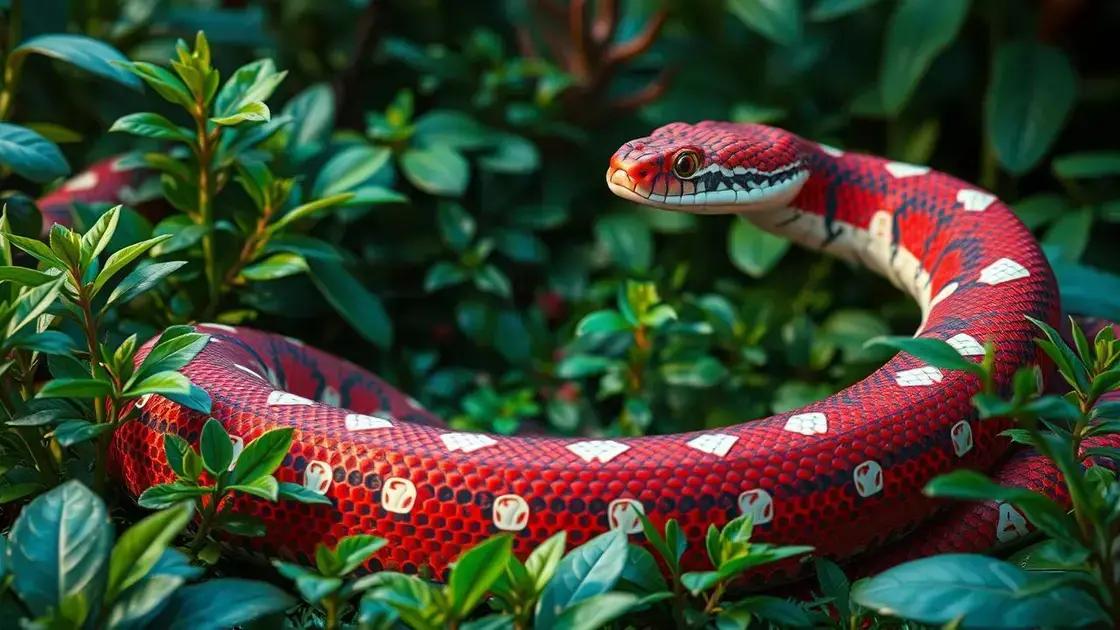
{"x": 511, "y": 154}
{"x": 120, "y": 258}
{"x": 197, "y": 400}
{"x": 975, "y": 591}
{"x": 935, "y": 352}
{"x": 265, "y": 487}
{"x": 1042, "y": 511}
{"x": 1032, "y": 91}
{"x": 583, "y": 365}
{"x": 1087, "y": 165}
{"x": 605, "y": 321}
{"x": 75, "y": 388}
{"x": 627, "y": 240}
{"x": 276, "y": 266}
{"x": 1069, "y": 234}
{"x": 443, "y": 274}
{"x": 166, "y": 495}
{"x": 296, "y": 492}
{"x": 917, "y": 32}
{"x": 182, "y": 459}
{"x": 542, "y": 562}
{"x": 37, "y": 249}
{"x": 490, "y": 279}
{"x": 172, "y": 352}
{"x": 588, "y": 570}
{"x": 703, "y": 372}
{"x": 596, "y": 612}
{"x": 86, "y": 53}
{"x": 353, "y": 301}
{"x": 142, "y": 545}
{"x": 136, "y": 605}
{"x": 253, "y": 82}
{"x": 30, "y": 155}
{"x": 58, "y": 549}
{"x": 24, "y": 276}
{"x": 353, "y": 551}
{"x": 141, "y": 280}
{"x": 241, "y": 524}
{"x": 825, "y": 10}
{"x": 436, "y": 170}
{"x": 312, "y": 114}
{"x": 834, "y": 585}
{"x": 262, "y": 456}
{"x": 215, "y": 447}
{"x": 97, "y": 238}
{"x": 451, "y": 128}
{"x": 163, "y": 82}
{"x": 308, "y": 209}
{"x": 163, "y": 383}
{"x": 150, "y": 125}
{"x": 249, "y": 112}
{"x": 222, "y": 603}
{"x": 311, "y": 586}
{"x": 777, "y": 20}
{"x": 475, "y": 571}
{"x": 456, "y": 226}
{"x": 349, "y": 168}
{"x": 71, "y": 432}
{"x": 753, "y": 250}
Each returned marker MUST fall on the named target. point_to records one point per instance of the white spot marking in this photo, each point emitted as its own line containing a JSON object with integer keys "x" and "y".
{"x": 1003, "y": 270}
{"x": 317, "y": 476}
{"x": 511, "y": 513}
{"x": 868, "y": 478}
{"x": 966, "y": 345}
{"x": 85, "y": 181}
{"x": 901, "y": 170}
{"x": 286, "y": 399}
{"x": 1011, "y": 525}
{"x": 918, "y": 377}
{"x": 758, "y": 504}
{"x": 811, "y": 423}
{"x": 222, "y": 327}
{"x": 714, "y": 443}
{"x": 466, "y": 442}
{"x": 398, "y": 495}
{"x": 974, "y": 200}
{"x": 361, "y": 422}
{"x": 602, "y": 450}
{"x": 961, "y": 435}
{"x": 623, "y": 514}
{"x": 249, "y": 371}
{"x": 829, "y": 150}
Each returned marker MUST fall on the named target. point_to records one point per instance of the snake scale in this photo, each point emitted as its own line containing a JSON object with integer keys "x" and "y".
{"x": 844, "y": 474}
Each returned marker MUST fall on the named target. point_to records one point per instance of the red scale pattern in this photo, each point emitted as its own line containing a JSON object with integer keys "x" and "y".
{"x": 905, "y": 430}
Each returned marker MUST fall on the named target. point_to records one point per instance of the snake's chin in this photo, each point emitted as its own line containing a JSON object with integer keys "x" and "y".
{"x": 716, "y": 202}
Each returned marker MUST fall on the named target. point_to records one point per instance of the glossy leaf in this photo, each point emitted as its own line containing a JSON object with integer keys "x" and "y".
{"x": 918, "y": 31}
{"x": 30, "y": 155}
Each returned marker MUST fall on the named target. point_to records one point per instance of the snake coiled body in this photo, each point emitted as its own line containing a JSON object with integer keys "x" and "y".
{"x": 844, "y": 474}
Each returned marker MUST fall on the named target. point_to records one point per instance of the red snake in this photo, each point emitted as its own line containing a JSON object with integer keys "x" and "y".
{"x": 844, "y": 474}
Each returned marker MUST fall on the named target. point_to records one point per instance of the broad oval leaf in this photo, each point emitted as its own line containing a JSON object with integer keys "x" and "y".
{"x": 350, "y": 168}
{"x": 753, "y": 250}
{"x": 475, "y": 571}
{"x": 1032, "y": 91}
{"x": 777, "y": 20}
{"x": 86, "y": 53}
{"x": 222, "y": 603}
{"x": 357, "y": 304}
{"x": 588, "y": 570}
{"x": 976, "y": 591}
{"x": 59, "y": 547}
{"x": 142, "y": 545}
{"x": 917, "y": 32}
{"x": 436, "y": 170}
{"x": 30, "y": 155}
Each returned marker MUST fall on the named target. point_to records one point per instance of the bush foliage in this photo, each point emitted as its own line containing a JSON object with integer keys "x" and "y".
{"x": 427, "y": 178}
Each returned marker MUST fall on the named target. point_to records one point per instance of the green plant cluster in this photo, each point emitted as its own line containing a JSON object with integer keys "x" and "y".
{"x": 423, "y": 183}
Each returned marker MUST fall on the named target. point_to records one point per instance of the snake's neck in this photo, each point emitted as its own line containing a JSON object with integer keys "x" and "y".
{"x": 847, "y": 209}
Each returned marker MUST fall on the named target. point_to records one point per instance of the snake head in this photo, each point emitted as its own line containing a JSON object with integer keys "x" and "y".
{"x": 711, "y": 168}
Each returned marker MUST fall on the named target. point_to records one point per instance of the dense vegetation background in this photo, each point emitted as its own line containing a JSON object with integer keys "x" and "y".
{"x": 427, "y": 178}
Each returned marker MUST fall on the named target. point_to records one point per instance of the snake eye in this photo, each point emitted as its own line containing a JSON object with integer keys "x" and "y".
{"x": 686, "y": 163}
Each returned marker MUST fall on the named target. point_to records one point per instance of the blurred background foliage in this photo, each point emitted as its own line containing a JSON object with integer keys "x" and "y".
{"x": 480, "y": 262}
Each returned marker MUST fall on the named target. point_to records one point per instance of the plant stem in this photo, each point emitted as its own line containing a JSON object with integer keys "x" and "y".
{"x": 90, "y": 326}
{"x": 208, "y": 514}
{"x": 11, "y": 67}
{"x": 330, "y": 606}
{"x": 205, "y": 216}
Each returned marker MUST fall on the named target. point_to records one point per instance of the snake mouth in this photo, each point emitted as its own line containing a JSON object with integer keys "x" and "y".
{"x": 717, "y": 190}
